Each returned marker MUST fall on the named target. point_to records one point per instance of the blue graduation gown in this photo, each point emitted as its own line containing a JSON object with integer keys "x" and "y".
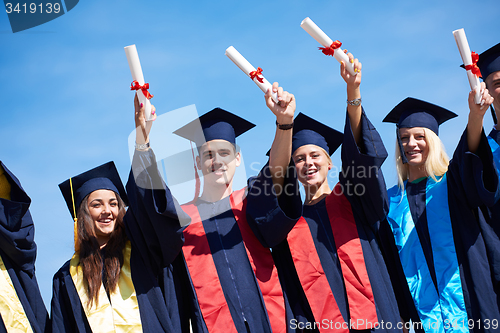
{"x": 156, "y": 280}
{"x": 368, "y": 209}
{"x": 18, "y": 251}
{"x": 240, "y": 287}
{"x": 471, "y": 182}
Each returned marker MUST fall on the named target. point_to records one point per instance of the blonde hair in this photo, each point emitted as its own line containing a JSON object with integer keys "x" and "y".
{"x": 436, "y": 163}
{"x": 328, "y": 157}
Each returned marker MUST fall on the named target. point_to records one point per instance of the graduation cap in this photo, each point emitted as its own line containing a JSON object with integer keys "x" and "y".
{"x": 488, "y": 63}
{"x": 307, "y": 131}
{"x": 216, "y": 124}
{"x": 412, "y": 112}
{"x": 104, "y": 177}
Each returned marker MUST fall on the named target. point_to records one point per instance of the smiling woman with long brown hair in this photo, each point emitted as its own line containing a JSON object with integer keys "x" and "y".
{"x": 109, "y": 284}
{"x": 101, "y": 240}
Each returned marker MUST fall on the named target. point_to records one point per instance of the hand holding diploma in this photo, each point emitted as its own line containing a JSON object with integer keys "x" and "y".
{"x": 248, "y": 69}
{"x": 329, "y": 47}
{"x": 470, "y": 59}
{"x": 285, "y": 109}
{"x": 138, "y": 83}
{"x": 142, "y": 125}
{"x": 353, "y": 81}
{"x": 354, "y": 109}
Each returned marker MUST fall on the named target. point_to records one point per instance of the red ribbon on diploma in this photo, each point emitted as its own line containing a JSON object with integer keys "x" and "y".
{"x": 474, "y": 68}
{"x": 331, "y": 49}
{"x": 255, "y": 74}
{"x": 136, "y": 86}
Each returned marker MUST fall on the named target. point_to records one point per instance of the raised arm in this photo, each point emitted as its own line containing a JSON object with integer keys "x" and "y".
{"x": 472, "y": 164}
{"x": 152, "y": 220}
{"x": 476, "y": 115}
{"x": 281, "y": 149}
{"x": 353, "y": 96}
{"x": 362, "y": 154}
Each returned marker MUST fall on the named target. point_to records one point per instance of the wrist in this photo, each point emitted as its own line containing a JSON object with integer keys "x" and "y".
{"x": 284, "y": 127}
{"x": 353, "y": 93}
{"x": 284, "y": 119}
{"x": 141, "y": 140}
{"x": 354, "y": 102}
{"x": 142, "y": 146}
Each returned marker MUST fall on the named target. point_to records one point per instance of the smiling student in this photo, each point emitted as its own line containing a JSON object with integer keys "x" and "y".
{"x": 330, "y": 264}
{"x": 232, "y": 282}
{"x": 435, "y": 248}
{"x": 109, "y": 284}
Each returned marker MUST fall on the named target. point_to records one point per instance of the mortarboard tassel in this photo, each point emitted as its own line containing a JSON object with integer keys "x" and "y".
{"x": 196, "y": 177}
{"x": 75, "y": 229}
{"x": 401, "y": 149}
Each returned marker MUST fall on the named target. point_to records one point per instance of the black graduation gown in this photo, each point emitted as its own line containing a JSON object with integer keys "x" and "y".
{"x": 490, "y": 228}
{"x": 155, "y": 279}
{"x": 361, "y": 175}
{"x": 18, "y": 251}
{"x": 471, "y": 181}
{"x": 240, "y": 287}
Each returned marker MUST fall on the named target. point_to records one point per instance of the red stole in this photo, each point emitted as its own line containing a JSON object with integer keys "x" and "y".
{"x": 206, "y": 281}
{"x": 363, "y": 314}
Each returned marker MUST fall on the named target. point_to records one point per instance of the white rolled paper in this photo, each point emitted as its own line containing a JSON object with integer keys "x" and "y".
{"x": 246, "y": 67}
{"x": 136, "y": 70}
{"x": 318, "y": 34}
{"x": 464, "y": 49}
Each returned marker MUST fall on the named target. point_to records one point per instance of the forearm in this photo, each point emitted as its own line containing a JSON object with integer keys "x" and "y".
{"x": 281, "y": 153}
{"x": 474, "y": 130}
{"x": 354, "y": 112}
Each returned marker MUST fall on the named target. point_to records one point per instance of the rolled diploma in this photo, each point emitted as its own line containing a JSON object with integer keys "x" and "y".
{"x": 318, "y": 34}
{"x": 464, "y": 49}
{"x": 136, "y": 70}
{"x": 246, "y": 67}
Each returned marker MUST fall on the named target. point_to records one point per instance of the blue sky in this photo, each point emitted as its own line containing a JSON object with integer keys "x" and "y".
{"x": 67, "y": 106}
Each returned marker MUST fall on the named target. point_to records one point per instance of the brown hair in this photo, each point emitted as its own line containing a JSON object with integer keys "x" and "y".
{"x": 91, "y": 259}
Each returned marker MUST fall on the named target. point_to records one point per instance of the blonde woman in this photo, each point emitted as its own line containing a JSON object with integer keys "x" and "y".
{"x": 436, "y": 253}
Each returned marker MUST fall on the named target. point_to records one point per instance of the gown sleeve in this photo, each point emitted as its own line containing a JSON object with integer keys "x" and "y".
{"x": 152, "y": 219}
{"x": 18, "y": 248}
{"x": 474, "y": 173}
{"x": 361, "y": 177}
{"x": 270, "y": 216}
{"x": 16, "y": 226}
{"x": 495, "y": 148}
